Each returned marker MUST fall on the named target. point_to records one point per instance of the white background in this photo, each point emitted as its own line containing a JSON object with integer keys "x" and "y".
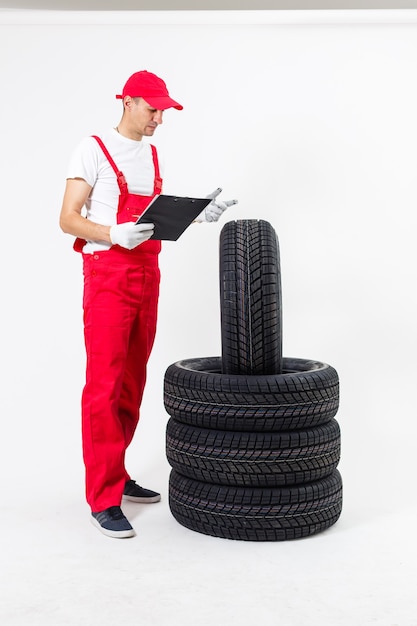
{"x": 311, "y": 123}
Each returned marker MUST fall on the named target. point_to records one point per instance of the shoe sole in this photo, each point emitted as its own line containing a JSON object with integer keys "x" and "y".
{"x": 116, "y": 534}
{"x": 142, "y": 500}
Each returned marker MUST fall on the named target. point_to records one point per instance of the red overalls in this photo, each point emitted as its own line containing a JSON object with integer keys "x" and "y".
{"x": 121, "y": 289}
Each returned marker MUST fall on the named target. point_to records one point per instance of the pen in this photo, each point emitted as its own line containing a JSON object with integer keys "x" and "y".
{"x": 214, "y": 194}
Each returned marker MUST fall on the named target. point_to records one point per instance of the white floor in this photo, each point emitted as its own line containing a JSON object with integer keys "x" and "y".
{"x": 57, "y": 569}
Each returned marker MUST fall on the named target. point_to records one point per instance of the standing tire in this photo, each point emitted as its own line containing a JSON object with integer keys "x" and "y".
{"x": 256, "y": 514}
{"x": 250, "y": 298}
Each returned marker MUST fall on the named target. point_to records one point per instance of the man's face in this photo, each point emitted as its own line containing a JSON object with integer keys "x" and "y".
{"x": 143, "y": 118}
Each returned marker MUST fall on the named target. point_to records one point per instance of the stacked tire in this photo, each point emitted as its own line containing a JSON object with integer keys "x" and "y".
{"x": 252, "y": 438}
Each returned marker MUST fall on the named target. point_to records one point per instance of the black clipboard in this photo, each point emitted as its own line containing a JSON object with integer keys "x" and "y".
{"x": 172, "y": 215}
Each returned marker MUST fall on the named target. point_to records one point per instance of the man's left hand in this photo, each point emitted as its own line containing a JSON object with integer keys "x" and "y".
{"x": 215, "y": 209}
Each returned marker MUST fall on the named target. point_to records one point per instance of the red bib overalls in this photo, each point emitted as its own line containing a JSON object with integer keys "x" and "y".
{"x": 121, "y": 289}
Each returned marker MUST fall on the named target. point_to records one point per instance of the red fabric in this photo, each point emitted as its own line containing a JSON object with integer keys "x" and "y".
{"x": 120, "y": 313}
{"x": 151, "y": 88}
{"x": 121, "y": 289}
{"x": 130, "y": 208}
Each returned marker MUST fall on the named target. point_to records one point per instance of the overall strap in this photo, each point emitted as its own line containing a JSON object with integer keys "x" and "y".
{"x": 121, "y": 181}
{"x": 157, "y": 185}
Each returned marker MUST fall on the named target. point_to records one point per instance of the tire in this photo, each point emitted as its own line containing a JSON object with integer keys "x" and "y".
{"x": 305, "y": 395}
{"x": 256, "y": 514}
{"x": 250, "y": 298}
{"x": 253, "y": 459}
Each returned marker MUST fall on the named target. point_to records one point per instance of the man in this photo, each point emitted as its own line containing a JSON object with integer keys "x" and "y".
{"x": 113, "y": 178}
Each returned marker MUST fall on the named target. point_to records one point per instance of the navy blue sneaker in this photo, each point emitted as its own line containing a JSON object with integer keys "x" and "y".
{"x": 113, "y": 523}
{"x": 135, "y": 493}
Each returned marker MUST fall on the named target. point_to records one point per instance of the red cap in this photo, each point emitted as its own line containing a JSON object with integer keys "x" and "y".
{"x": 151, "y": 88}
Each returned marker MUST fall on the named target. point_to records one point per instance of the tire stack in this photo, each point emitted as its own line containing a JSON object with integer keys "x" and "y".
{"x": 252, "y": 438}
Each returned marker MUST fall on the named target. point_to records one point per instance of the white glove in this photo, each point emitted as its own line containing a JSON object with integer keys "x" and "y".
{"x": 215, "y": 209}
{"x": 129, "y": 235}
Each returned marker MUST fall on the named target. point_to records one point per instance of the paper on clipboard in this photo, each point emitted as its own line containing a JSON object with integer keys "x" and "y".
{"x": 172, "y": 215}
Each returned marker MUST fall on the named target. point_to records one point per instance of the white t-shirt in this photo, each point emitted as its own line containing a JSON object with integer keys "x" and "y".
{"x": 88, "y": 161}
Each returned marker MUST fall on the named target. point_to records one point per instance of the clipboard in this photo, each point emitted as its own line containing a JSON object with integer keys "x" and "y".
{"x": 172, "y": 215}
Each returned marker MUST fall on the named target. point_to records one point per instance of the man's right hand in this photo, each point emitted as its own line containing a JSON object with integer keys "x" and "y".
{"x": 129, "y": 235}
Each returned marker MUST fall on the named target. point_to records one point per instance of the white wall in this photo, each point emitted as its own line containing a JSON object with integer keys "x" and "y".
{"x": 310, "y": 122}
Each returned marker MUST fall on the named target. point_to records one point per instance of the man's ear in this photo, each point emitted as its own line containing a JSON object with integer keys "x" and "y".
{"x": 127, "y": 102}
